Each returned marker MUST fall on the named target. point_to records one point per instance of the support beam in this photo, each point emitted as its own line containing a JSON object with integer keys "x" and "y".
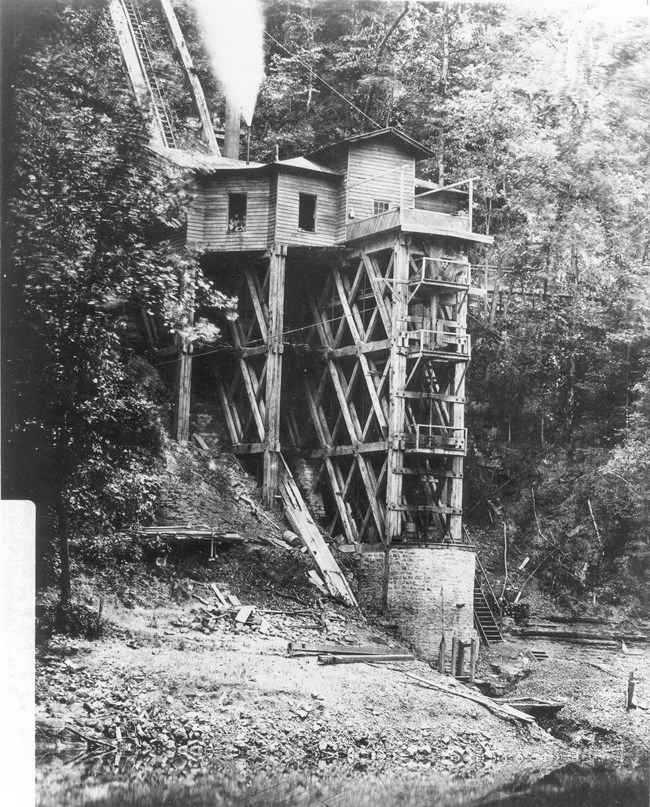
{"x": 277, "y": 268}
{"x": 184, "y": 365}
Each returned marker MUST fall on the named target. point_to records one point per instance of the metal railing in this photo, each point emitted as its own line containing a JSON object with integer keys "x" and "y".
{"x": 482, "y": 578}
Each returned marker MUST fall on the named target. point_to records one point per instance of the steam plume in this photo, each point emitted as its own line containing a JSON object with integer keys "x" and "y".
{"x": 233, "y": 38}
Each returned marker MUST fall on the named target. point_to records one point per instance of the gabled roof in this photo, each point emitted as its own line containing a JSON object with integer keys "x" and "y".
{"x": 419, "y": 151}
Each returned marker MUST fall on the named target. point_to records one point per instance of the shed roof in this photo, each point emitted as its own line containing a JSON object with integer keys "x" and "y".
{"x": 208, "y": 164}
{"x": 419, "y": 151}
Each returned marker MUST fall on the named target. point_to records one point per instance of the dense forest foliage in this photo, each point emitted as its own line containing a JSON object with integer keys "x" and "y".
{"x": 549, "y": 109}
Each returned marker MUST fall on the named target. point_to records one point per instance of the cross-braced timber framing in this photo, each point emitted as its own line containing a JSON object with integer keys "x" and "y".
{"x": 355, "y": 358}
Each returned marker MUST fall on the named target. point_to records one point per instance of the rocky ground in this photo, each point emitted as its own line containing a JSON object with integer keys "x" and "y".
{"x": 177, "y": 683}
{"x": 174, "y": 683}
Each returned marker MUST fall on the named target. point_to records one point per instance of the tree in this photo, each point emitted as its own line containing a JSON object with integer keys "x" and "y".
{"x": 86, "y": 194}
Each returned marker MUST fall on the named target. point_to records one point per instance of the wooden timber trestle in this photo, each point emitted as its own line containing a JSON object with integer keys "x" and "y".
{"x": 356, "y": 358}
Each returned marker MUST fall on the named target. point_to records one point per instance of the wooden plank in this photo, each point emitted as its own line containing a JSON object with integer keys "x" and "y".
{"x": 219, "y": 595}
{"x": 500, "y": 709}
{"x": 364, "y": 659}
{"x": 298, "y": 516}
{"x": 275, "y": 303}
{"x": 244, "y": 614}
{"x": 307, "y": 648}
{"x": 317, "y": 581}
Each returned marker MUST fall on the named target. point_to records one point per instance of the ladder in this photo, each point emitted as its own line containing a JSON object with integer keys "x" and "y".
{"x": 140, "y": 38}
{"x": 484, "y": 620}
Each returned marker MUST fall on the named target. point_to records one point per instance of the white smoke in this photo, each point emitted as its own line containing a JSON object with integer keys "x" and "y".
{"x": 233, "y": 39}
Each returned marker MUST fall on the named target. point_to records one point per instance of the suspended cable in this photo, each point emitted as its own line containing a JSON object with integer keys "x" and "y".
{"x": 329, "y": 86}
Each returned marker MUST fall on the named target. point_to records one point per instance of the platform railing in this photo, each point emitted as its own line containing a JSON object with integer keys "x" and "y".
{"x": 453, "y": 340}
{"x": 425, "y": 436}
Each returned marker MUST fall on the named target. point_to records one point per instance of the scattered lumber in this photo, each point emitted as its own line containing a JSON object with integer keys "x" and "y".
{"x": 200, "y": 442}
{"x": 537, "y": 707}
{"x": 244, "y": 614}
{"x": 220, "y": 596}
{"x": 316, "y": 580}
{"x": 587, "y": 620}
{"x": 184, "y": 532}
{"x": 301, "y": 648}
{"x": 356, "y": 659}
{"x": 602, "y": 667}
{"x": 269, "y": 539}
{"x": 302, "y": 524}
{"x": 551, "y": 633}
{"x": 500, "y": 709}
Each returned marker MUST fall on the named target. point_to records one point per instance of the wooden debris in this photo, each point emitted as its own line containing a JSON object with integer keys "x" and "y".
{"x": 355, "y": 659}
{"x": 183, "y": 532}
{"x": 200, "y": 442}
{"x": 602, "y": 667}
{"x": 551, "y": 633}
{"x": 625, "y": 649}
{"x": 500, "y": 709}
{"x": 269, "y": 539}
{"x": 538, "y": 655}
{"x": 297, "y": 515}
{"x": 317, "y": 581}
{"x": 300, "y": 648}
{"x": 588, "y": 620}
{"x": 234, "y": 600}
{"x": 244, "y": 614}
{"x": 220, "y": 596}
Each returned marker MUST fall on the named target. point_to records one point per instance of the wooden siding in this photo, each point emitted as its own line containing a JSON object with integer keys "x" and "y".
{"x": 374, "y": 173}
{"x": 290, "y": 186}
{"x": 196, "y": 217}
{"x": 215, "y": 201}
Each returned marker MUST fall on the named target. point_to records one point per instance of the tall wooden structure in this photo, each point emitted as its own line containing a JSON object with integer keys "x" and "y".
{"x": 350, "y": 350}
{"x": 351, "y": 347}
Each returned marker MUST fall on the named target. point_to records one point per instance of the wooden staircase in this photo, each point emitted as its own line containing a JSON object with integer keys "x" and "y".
{"x": 485, "y": 623}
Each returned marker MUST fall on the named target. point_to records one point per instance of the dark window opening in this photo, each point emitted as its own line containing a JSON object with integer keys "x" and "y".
{"x": 236, "y": 212}
{"x": 380, "y": 206}
{"x": 307, "y": 212}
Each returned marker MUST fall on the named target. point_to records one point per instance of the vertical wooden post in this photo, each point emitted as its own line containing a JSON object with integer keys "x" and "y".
{"x": 184, "y": 364}
{"x": 460, "y": 665}
{"x": 442, "y": 652}
{"x": 274, "y": 374}
{"x": 473, "y": 658}
{"x": 397, "y": 412}
{"x": 458, "y": 422}
{"x": 631, "y": 682}
{"x": 454, "y": 654}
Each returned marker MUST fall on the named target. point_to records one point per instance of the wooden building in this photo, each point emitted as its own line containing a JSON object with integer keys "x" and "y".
{"x": 350, "y": 348}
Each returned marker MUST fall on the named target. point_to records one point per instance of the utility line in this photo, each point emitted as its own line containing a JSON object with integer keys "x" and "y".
{"x": 329, "y": 86}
